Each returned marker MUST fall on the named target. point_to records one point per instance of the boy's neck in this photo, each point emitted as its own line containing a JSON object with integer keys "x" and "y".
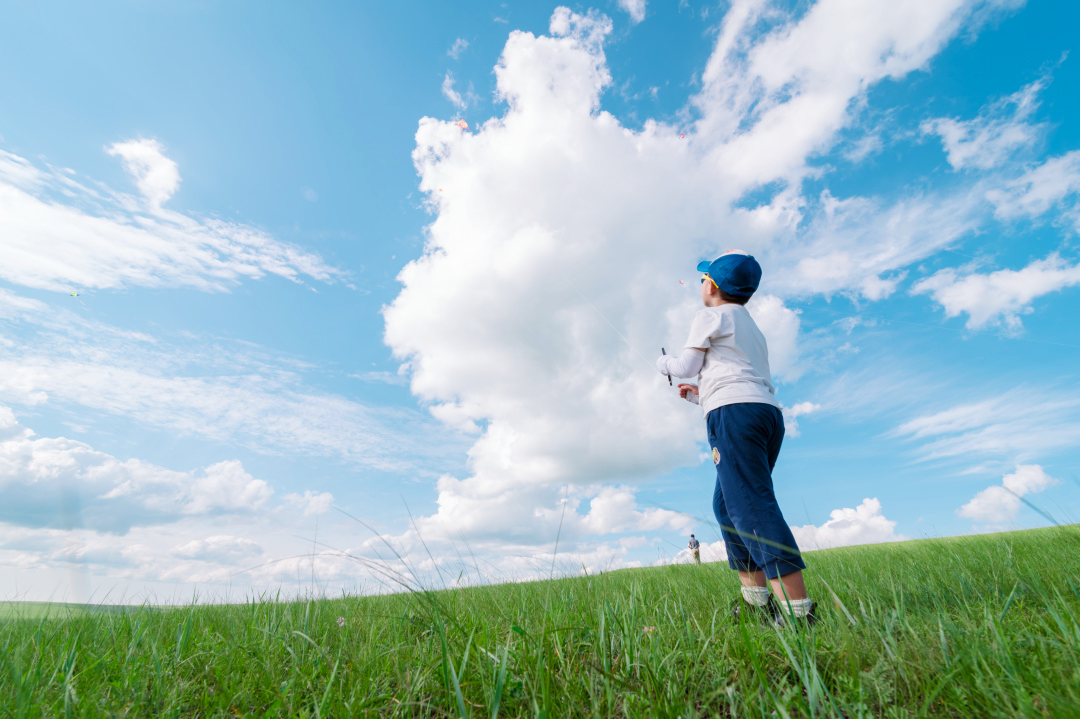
{"x": 715, "y": 301}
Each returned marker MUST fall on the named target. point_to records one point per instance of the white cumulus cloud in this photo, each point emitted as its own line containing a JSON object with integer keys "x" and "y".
{"x": 848, "y": 526}
{"x": 1000, "y": 503}
{"x": 1001, "y": 296}
{"x": 102, "y": 526}
{"x": 792, "y": 414}
{"x": 493, "y": 513}
{"x": 59, "y": 482}
{"x": 780, "y": 325}
{"x": 312, "y": 503}
{"x": 548, "y": 281}
{"x": 222, "y": 548}
{"x": 864, "y": 524}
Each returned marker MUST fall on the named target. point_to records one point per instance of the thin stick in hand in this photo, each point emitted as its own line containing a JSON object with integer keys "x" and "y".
{"x": 670, "y": 383}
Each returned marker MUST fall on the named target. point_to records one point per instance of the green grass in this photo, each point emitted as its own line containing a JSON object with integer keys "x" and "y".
{"x": 55, "y": 610}
{"x": 983, "y": 626}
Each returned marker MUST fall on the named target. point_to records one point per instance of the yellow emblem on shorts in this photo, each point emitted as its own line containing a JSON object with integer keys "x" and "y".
{"x": 715, "y": 456}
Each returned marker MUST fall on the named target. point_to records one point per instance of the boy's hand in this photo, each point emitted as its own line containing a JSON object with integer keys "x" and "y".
{"x": 689, "y": 392}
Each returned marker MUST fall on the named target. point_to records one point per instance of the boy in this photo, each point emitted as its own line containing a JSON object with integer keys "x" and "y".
{"x": 695, "y": 546}
{"x": 745, "y": 429}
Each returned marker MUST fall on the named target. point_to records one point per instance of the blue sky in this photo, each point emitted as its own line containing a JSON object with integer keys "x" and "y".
{"x": 301, "y": 287}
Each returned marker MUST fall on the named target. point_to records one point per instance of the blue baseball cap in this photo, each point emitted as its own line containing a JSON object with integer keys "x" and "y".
{"x": 736, "y": 272}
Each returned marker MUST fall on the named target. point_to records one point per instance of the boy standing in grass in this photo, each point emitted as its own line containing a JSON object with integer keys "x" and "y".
{"x": 695, "y": 547}
{"x": 727, "y": 352}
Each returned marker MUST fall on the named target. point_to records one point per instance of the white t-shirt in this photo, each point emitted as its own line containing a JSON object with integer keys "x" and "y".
{"x": 736, "y": 367}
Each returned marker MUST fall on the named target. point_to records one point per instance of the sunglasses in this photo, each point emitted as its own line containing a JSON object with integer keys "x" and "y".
{"x": 710, "y": 279}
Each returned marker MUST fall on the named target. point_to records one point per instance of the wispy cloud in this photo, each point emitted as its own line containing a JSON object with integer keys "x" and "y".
{"x": 1039, "y": 189}
{"x": 203, "y": 387}
{"x": 383, "y": 377}
{"x": 1001, "y": 128}
{"x": 1016, "y": 426}
{"x": 61, "y": 233}
{"x": 156, "y": 176}
{"x": 459, "y": 46}
{"x": 635, "y": 8}
{"x": 459, "y": 100}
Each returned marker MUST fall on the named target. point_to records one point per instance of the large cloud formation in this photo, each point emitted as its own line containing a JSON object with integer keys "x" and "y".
{"x": 549, "y": 278}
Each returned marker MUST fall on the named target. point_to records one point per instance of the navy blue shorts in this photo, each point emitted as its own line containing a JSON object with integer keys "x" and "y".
{"x": 745, "y": 441}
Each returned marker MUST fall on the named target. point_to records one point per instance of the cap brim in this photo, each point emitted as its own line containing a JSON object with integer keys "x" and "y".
{"x": 703, "y": 266}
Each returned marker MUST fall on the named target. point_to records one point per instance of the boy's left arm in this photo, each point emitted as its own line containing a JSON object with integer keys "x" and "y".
{"x": 689, "y": 392}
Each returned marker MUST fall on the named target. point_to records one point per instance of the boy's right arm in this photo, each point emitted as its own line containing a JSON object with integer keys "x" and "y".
{"x": 687, "y": 364}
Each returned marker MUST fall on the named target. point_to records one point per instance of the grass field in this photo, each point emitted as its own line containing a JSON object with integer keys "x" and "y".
{"x": 985, "y": 626}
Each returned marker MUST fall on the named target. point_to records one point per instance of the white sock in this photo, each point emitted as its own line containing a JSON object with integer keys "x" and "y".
{"x": 758, "y": 596}
{"x": 799, "y": 607}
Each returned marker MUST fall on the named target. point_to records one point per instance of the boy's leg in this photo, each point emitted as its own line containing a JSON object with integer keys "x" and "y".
{"x": 789, "y": 586}
{"x": 747, "y": 438}
{"x": 739, "y": 557}
{"x": 754, "y": 579}
{"x": 755, "y": 591}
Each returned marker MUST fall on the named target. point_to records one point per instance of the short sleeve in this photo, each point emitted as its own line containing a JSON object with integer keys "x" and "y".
{"x": 705, "y": 326}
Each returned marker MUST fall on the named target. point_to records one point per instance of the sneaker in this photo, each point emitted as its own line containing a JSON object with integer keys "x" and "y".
{"x": 770, "y": 612}
{"x": 783, "y": 617}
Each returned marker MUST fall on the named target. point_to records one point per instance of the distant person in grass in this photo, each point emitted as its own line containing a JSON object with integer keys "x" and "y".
{"x": 695, "y": 547}
{"x": 728, "y": 354}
